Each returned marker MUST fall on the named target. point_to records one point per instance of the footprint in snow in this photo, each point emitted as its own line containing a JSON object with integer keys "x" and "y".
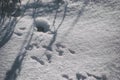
{"x": 66, "y": 77}
{"x": 22, "y": 28}
{"x": 80, "y": 76}
{"x": 29, "y": 47}
{"x": 47, "y": 47}
{"x": 71, "y": 51}
{"x": 38, "y": 60}
{"x": 18, "y": 33}
{"x": 60, "y": 45}
{"x": 49, "y": 57}
{"x": 86, "y": 76}
{"x": 60, "y": 48}
{"x": 60, "y": 51}
{"x": 102, "y": 77}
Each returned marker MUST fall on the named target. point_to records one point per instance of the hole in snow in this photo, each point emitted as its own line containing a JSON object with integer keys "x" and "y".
{"x": 42, "y": 24}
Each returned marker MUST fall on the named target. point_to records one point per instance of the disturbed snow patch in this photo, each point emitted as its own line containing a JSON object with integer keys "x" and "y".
{"x": 42, "y": 24}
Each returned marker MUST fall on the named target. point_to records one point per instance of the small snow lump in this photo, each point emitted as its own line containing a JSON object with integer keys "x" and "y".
{"x": 42, "y": 24}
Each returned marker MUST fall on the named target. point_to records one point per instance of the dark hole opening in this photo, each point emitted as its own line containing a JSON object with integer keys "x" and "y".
{"x": 40, "y": 29}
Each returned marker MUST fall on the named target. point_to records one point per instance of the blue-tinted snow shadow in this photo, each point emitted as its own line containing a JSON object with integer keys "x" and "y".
{"x": 79, "y": 14}
{"x": 15, "y": 70}
{"x": 7, "y": 31}
{"x": 55, "y": 33}
{"x": 56, "y": 30}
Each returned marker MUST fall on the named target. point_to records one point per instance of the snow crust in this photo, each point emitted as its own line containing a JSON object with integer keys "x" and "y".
{"x": 83, "y": 42}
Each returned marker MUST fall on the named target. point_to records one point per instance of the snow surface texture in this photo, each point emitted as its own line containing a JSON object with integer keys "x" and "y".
{"x": 83, "y": 42}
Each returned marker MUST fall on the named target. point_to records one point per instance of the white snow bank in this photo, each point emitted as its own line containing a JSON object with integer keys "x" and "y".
{"x": 42, "y": 24}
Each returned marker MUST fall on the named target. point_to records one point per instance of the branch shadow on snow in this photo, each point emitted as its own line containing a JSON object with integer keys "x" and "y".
{"x": 7, "y": 27}
{"x": 7, "y": 31}
{"x": 52, "y": 41}
{"x": 35, "y": 10}
{"x": 7, "y": 23}
{"x": 43, "y": 8}
{"x": 15, "y": 70}
{"x": 49, "y": 47}
{"x": 7, "y": 7}
{"x": 49, "y": 7}
{"x": 16, "y": 67}
{"x": 81, "y": 11}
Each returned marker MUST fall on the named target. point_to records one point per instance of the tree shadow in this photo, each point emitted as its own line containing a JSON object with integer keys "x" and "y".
{"x": 55, "y": 15}
{"x": 15, "y": 70}
{"x": 7, "y": 31}
{"x": 85, "y": 3}
{"x": 9, "y": 6}
{"x": 54, "y": 6}
{"x": 49, "y": 47}
{"x": 80, "y": 76}
{"x": 35, "y": 10}
{"x": 7, "y": 28}
{"x": 16, "y": 67}
{"x": 44, "y": 8}
{"x": 80, "y": 12}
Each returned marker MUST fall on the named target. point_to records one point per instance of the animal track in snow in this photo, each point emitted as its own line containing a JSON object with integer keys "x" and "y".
{"x": 22, "y": 28}
{"x": 102, "y": 77}
{"x": 80, "y": 76}
{"x": 60, "y": 48}
{"x": 47, "y": 47}
{"x": 66, "y": 77}
{"x": 60, "y": 45}
{"x": 60, "y": 51}
{"x": 30, "y": 47}
{"x": 38, "y": 60}
{"x": 36, "y": 45}
{"x": 86, "y": 76}
{"x": 71, "y": 51}
{"x": 18, "y": 33}
{"x": 49, "y": 57}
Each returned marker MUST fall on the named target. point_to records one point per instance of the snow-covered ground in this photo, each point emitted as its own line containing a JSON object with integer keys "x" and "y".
{"x": 83, "y": 42}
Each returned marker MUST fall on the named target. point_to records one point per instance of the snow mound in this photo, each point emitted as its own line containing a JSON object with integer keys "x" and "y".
{"x": 42, "y": 24}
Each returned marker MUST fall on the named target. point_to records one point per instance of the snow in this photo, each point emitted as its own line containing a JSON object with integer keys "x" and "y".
{"x": 42, "y": 24}
{"x": 81, "y": 41}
